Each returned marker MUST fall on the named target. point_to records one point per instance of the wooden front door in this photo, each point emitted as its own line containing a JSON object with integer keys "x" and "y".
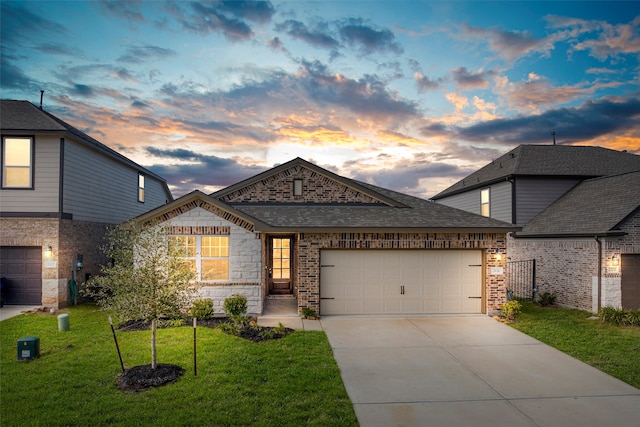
{"x": 280, "y": 265}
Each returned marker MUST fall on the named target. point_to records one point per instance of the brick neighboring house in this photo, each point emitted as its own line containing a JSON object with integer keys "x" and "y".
{"x": 578, "y": 207}
{"x": 60, "y": 190}
{"x": 338, "y": 246}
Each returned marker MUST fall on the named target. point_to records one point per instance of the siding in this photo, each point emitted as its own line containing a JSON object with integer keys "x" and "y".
{"x": 101, "y": 189}
{"x": 44, "y": 196}
{"x": 500, "y": 201}
{"x": 535, "y": 195}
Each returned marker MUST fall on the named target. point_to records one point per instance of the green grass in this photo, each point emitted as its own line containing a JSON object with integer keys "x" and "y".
{"x": 293, "y": 381}
{"x": 612, "y": 349}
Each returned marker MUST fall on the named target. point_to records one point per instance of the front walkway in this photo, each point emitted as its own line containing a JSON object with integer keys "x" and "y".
{"x": 469, "y": 371}
{"x": 285, "y": 311}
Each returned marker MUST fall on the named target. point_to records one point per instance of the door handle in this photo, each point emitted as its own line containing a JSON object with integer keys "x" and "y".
{"x": 401, "y": 289}
{"x": 475, "y": 297}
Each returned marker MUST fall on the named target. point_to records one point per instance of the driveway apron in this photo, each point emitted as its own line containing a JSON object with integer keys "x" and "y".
{"x": 469, "y": 370}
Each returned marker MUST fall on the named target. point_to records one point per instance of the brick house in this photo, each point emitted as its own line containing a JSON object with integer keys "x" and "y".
{"x": 338, "y": 246}
{"x": 578, "y": 208}
{"x": 60, "y": 190}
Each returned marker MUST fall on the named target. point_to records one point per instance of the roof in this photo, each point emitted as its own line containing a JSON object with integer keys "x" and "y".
{"x": 594, "y": 207}
{"x": 399, "y": 213}
{"x": 22, "y": 117}
{"x": 548, "y": 161}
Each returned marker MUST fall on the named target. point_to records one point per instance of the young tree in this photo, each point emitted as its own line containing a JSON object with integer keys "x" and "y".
{"x": 148, "y": 278}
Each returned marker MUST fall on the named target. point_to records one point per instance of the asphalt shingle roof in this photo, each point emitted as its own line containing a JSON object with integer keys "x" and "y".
{"x": 548, "y": 160}
{"x": 418, "y": 214}
{"x": 594, "y": 207}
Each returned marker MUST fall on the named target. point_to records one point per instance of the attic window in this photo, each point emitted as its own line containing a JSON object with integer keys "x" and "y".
{"x": 297, "y": 187}
{"x": 485, "y": 202}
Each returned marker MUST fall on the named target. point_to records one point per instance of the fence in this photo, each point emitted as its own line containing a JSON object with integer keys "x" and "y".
{"x": 521, "y": 279}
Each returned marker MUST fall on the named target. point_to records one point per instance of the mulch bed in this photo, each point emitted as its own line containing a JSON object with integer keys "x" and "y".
{"x": 252, "y": 332}
{"x": 140, "y": 378}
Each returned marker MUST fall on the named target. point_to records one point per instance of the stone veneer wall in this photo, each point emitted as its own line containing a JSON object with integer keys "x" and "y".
{"x": 316, "y": 188}
{"x": 245, "y": 258}
{"x": 569, "y": 267}
{"x": 310, "y": 244}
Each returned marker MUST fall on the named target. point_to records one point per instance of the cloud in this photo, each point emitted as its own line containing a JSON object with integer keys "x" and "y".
{"x": 59, "y": 49}
{"x": 425, "y": 84}
{"x": 367, "y": 38}
{"x": 129, "y": 10}
{"x": 226, "y": 17}
{"x": 511, "y": 45}
{"x": 612, "y": 40}
{"x": 186, "y": 170}
{"x": 471, "y": 80}
{"x": 591, "y": 120}
{"x": 13, "y": 77}
{"x": 318, "y": 36}
{"x": 20, "y": 25}
{"x": 139, "y": 54}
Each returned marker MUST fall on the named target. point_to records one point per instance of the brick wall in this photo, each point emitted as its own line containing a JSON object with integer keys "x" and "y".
{"x": 569, "y": 267}
{"x": 316, "y": 188}
{"x": 309, "y": 246}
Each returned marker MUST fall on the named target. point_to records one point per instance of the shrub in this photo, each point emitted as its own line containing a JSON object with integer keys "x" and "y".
{"x": 510, "y": 309}
{"x": 308, "y": 312}
{"x": 546, "y": 299}
{"x": 619, "y": 316}
{"x": 202, "y": 309}
{"x": 235, "y": 306}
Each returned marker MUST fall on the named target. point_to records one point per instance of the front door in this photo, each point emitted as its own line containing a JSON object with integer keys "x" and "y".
{"x": 280, "y": 265}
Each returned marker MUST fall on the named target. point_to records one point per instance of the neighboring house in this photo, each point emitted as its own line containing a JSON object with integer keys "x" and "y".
{"x": 338, "y": 246}
{"x": 522, "y": 183}
{"x": 578, "y": 207}
{"x": 60, "y": 190}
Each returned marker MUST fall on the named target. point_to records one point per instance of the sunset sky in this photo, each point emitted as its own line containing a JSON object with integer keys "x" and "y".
{"x": 408, "y": 95}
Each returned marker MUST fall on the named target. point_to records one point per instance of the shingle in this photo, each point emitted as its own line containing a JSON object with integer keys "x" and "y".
{"x": 548, "y": 160}
{"x": 596, "y": 206}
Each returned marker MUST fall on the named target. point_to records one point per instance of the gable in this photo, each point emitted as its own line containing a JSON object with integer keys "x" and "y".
{"x": 319, "y": 186}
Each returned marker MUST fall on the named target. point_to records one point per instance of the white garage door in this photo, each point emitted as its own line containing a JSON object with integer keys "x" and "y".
{"x": 400, "y": 281}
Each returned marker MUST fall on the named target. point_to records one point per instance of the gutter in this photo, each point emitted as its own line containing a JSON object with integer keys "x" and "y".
{"x": 599, "y": 242}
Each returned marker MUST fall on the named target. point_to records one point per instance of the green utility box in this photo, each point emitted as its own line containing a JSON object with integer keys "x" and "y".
{"x": 28, "y": 348}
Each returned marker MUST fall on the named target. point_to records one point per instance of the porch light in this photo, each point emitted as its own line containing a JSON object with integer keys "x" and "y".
{"x": 49, "y": 250}
{"x": 498, "y": 256}
{"x": 615, "y": 260}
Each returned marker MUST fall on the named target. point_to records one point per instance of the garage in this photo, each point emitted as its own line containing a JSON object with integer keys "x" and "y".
{"x": 400, "y": 282}
{"x": 630, "y": 283}
{"x": 21, "y": 267}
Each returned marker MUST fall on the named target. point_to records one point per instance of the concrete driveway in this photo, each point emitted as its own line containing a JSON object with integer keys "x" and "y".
{"x": 469, "y": 371}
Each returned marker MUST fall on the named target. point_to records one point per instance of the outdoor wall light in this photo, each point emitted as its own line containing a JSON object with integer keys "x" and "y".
{"x": 499, "y": 256}
{"x": 615, "y": 260}
{"x": 49, "y": 250}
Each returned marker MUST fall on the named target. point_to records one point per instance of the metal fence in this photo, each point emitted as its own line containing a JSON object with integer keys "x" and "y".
{"x": 521, "y": 279}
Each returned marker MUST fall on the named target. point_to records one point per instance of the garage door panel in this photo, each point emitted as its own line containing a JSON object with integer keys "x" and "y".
{"x": 22, "y": 268}
{"x": 401, "y": 281}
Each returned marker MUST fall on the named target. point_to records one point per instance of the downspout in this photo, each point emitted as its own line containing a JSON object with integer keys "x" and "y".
{"x": 599, "y": 242}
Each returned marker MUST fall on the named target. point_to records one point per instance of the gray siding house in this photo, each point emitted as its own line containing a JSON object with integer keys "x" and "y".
{"x": 579, "y": 209}
{"x": 337, "y": 246}
{"x": 60, "y": 189}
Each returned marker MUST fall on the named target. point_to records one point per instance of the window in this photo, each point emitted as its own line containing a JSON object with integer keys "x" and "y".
{"x": 297, "y": 187}
{"x": 141, "y": 187}
{"x": 208, "y": 254}
{"x": 17, "y": 162}
{"x": 484, "y": 202}
{"x": 281, "y": 258}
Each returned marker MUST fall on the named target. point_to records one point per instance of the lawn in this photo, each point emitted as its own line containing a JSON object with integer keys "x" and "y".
{"x": 293, "y": 381}
{"x": 612, "y": 349}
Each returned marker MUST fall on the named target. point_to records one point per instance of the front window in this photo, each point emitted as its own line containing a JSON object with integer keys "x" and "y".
{"x": 209, "y": 255}
{"x": 484, "y": 203}
{"x": 17, "y": 162}
{"x": 141, "y": 188}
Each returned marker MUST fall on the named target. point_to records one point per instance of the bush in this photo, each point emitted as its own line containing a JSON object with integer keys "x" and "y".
{"x": 308, "y": 312}
{"x": 510, "y": 309}
{"x": 235, "y": 306}
{"x": 202, "y": 309}
{"x": 619, "y": 316}
{"x": 546, "y": 299}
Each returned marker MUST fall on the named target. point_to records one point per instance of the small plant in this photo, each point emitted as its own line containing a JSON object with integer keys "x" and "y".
{"x": 236, "y": 308}
{"x": 619, "y": 316}
{"x": 511, "y": 309}
{"x": 547, "y": 299}
{"x": 308, "y": 312}
{"x": 202, "y": 309}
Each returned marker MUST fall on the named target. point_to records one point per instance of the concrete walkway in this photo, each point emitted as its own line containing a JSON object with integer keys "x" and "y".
{"x": 9, "y": 311}
{"x": 469, "y": 371}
